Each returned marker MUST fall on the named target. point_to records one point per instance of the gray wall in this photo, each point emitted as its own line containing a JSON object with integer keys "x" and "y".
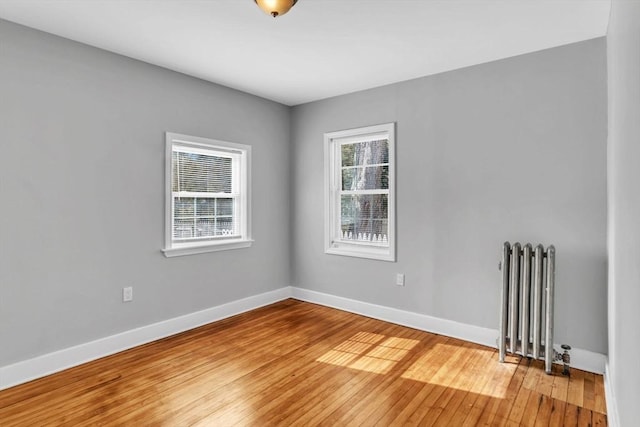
{"x": 82, "y": 173}
{"x": 82, "y": 191}
{"x": 509, "y": 150}
{"x": 623, "y": 48}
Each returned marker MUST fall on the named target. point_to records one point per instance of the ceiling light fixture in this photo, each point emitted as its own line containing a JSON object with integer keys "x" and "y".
{"x": 276, "y": 8}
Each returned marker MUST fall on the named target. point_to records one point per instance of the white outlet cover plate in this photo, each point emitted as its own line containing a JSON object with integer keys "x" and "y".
{"x": 127, "y": 294}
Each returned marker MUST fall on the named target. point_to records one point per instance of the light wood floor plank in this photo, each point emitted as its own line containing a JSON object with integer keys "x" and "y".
{"x": 599, "y": 401}
{"x": 584, "y": 417}
{"x": 531, "y": 409}
{"x": 495, "y": 383}
{"x": 442, "y": 379}
{"x": 544, "y": 411}
{"x": 377, "y": 389}
{"x": 310, "y": 391}
{"x": 506, "y": 405}
{"x": 560, "y": 388}
{"x": 466, "y": 382}
{"x": 598, "y": 419}
{"x": 519, "y": 405}
{"x": 589, "y": 398}
{"x": 575, "y": 392}
{"x": 571, "y": 415}
{"x": 299, "y": 364}
{"x": 430, "y": 363}
{"x": 557, "y": 413}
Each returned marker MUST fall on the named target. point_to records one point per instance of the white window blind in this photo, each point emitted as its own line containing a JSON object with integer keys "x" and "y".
{"x": 208, "y": 195}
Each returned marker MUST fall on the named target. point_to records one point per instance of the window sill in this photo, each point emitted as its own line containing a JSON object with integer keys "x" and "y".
{"x": 362, "y": 251}
{"x": 200, "y": 249}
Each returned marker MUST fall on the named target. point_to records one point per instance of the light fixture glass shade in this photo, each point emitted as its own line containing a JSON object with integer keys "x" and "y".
{"x": 275, "y": 7}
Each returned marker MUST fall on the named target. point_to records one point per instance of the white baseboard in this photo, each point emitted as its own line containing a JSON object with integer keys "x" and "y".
{"x": 613, "y": 419}
{"x": 586, "y": 360}
{"x": 50, "y": 363}
{"x": 422, "y": 322}
{"x": 581, "y": 359}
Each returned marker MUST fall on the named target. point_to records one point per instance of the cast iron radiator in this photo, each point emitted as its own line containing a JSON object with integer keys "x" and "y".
{"x": 526, "y": 311}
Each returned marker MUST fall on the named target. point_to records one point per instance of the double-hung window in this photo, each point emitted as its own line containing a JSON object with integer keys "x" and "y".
{"x": 360, "y": 196}
{"x": 207, "y": 195}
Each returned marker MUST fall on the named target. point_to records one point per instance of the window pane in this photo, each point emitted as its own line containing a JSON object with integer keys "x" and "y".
{"x": 364, "y": 217}
{"x": 348, "y": 154}
{"x": 183, "y": 229}
{"x": 183, "y": 207}
{"x": 211, "y": 217}
{"x": 372, "y": 152}
{"x": 206, "y": 207}
{"x": 376, "y": 177}
{"x": 365, "y": 165}
{"x": 225, "y": 226}
{"x": 367, "y": 178}
{"x": 365, "y": 153}
{"x": 225, "y": 207}
{"x": 205, "y": 227}
{"x": 349, "y": 179}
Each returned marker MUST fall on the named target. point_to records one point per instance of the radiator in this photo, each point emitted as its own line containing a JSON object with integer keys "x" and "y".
{"x": 526, "y": 311}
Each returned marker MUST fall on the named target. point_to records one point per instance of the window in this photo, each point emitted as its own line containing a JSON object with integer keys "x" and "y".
{"x": 360, "y": 196}
{"x": 207, "y": 195}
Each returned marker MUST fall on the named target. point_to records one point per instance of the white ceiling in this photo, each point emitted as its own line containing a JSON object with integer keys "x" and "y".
{"x": 321, "y": 48}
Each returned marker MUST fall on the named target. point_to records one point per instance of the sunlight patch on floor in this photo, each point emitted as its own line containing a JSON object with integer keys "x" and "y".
{"x": 369, "y": 352}
{"x": 449, "y": 370}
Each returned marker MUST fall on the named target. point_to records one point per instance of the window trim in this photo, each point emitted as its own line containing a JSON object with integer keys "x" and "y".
{"x": 173, "y": 248}
{"x": 334, "y": 245}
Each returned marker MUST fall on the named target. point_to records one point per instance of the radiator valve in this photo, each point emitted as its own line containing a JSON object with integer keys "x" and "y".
{"x": 563, "y": 357}
{"x": 566, "y": 359}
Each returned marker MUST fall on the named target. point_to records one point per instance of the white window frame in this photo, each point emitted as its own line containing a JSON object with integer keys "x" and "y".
{"x": 334, "y": 243}
{"x": 241, "y": 188}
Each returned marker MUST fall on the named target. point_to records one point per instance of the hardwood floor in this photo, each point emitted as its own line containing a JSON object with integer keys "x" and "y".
{"x": 300, "y": 364}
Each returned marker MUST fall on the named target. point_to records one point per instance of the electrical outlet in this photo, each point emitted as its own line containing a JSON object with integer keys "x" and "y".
{"x": 400, "y": 279}
{"x": 127, "y": 294}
